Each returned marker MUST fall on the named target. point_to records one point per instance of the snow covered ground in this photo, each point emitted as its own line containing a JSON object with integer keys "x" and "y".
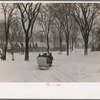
{"x": 73, "y": 68}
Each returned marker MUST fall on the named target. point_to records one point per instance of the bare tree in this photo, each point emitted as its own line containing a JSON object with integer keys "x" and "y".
{"x": 16, "y": 32}
{"x": 84, "y": 14}
{"x": 8, "y": 10}
{"x": 29, "y": 13}
{"x": 58, "y": 29}
{"x": 74, "y": 34}
{"x": 54, "y": 35}
{"x": 62, "y": 13}
{"x": 57, "y": 12}
{"x": 45, "y": 21}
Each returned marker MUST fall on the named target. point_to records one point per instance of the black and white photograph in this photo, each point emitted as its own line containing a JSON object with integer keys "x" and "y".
{"x": 50, "y": 42}
{"x": 50, "y": 50}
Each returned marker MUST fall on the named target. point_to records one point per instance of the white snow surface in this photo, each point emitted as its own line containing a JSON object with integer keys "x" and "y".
{"x": 73, "y": 68}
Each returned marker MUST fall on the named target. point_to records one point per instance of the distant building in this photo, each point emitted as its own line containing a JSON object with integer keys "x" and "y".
{"x": 31, "y": 46}
{"x": 17, "y": 47}
{"x": 39, "y": 47}
{"x": 20, "y": 47}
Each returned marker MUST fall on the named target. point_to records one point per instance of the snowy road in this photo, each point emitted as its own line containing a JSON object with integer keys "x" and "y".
{"x": 73, "y": 68}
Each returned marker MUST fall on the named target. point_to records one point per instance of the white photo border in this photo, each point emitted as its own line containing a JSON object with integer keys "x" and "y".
{"x": 40, "y": 90}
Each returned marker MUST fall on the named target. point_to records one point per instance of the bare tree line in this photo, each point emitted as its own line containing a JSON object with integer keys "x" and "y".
{"x": 63, "y": 20}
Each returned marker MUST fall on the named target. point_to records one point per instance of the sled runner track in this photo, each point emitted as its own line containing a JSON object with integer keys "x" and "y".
{"x": 64, "y": 76}
{"x": 60, "y": 76}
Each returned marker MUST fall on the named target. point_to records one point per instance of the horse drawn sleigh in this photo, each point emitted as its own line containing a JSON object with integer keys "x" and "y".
{"x": 44, "y": 61}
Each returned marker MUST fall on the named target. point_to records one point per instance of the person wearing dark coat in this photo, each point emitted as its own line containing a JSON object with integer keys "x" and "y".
{"x": 44, "y": 55}
{"x": 50, "y": 59}
{"x": 50, "y": 56}
{"x": 39, "y": 55}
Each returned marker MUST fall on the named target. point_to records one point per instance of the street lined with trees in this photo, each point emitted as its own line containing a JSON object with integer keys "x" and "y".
{"x": 60, "y": 25}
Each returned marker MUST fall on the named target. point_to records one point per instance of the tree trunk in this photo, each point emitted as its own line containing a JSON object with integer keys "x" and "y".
{"x": 60, "y": 45}
{"x": 86, "y": 48}
{"x": 72, "y": 46}
{"x": 26, "y": 48}
{"x": 60, "y": 37}
{"x": 54, "y": 42}
{"x": 92, "y": 46}
{"x": 67, "y": 41}
{"x": 47, "y": 44}
{"x": 60, "y": 41}
{"x": 73, "y": 42}
{"x": 5, "y": 49}
{"x": 86, "y": 38}
{"x": 6, "y": 43}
